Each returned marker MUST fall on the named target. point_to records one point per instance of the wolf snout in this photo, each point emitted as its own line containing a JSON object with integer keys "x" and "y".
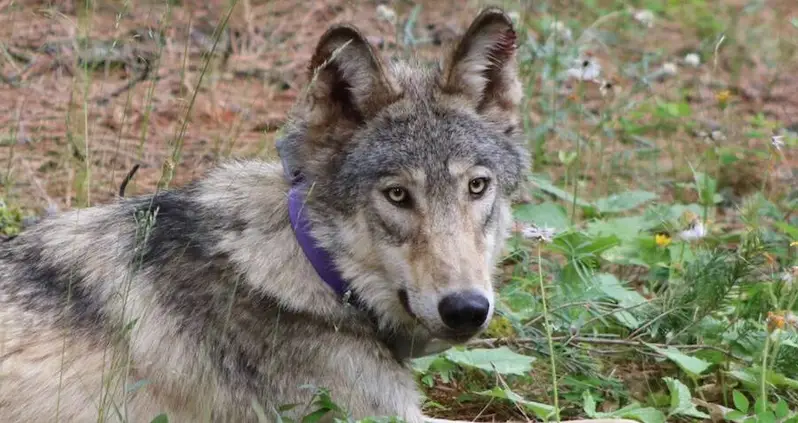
{"x": 464, "y": 311}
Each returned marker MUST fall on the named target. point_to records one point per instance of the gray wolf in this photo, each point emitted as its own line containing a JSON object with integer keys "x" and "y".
{"x": 204, "y": 303}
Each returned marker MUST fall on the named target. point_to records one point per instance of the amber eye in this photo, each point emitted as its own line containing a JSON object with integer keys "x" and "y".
{"x": 398, "y": 196}
{"x": 478, "y": 186}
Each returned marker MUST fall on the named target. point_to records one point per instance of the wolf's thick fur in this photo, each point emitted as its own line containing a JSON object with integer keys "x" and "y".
{"x": 197, "y": 302}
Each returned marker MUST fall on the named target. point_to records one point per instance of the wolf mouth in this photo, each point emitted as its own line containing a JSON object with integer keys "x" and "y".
{"x": 406, "y": 303}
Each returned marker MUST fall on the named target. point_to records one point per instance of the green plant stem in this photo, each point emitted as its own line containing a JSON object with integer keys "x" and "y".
{"x": 764, "y": 386}
{"x": 578, "y": 159}
{"x": 548, "y": 336}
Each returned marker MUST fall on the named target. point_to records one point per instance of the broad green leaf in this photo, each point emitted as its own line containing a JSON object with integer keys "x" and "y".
{"x": 588, "y": 404}
{"x": 779, "y": 380}
{"x": 545, "y": 215}
{"x": 637, "y": 412}
{"x": 434, "y": 364}
{"x": 612, "y": 287}
{"x": 160, "y": 418}
{"x": 580, "y": 244}
{"x": 788, "y": 229}
{"x": 600, "y": 245}
{"x": 740, "y": 401}
{"x": 422, "y": 364}
{"x": 624, "y": 201}
{"x": 631, "y": 411}
{"x": 693, "y": 366}
{"x": 505, "y": 360}
{"x": 734, "y": 416}
{"x": 627, "y": 319}
{"x": 550, "y": 188}
{"x": 744, "y": 376}
{"x": 518, "y": 301}
{"x": 766, "y": 417}
{"x": 625, "y": 228}
{"x": 682, "y": 400}
{"x": 782, "y": 409}
{"x": 627, "y": 254}
{"x": 315, "y": 416}
{"x": 643, "y": 414}
{"x": 752, "y": 377}
{"x": 542, "y": 411}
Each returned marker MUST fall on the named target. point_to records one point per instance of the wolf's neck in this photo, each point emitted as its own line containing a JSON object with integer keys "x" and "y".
{"x": 267, "y": 253}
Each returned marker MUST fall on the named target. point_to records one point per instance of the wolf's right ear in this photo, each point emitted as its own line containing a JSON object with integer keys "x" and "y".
{"x": 348, "y": 83}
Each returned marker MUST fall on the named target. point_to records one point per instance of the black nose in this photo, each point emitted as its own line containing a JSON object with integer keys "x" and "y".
{"x": 464, "y": 311}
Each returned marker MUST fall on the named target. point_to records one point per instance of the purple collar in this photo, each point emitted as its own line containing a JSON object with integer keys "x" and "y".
{"x": 318, "y": 256}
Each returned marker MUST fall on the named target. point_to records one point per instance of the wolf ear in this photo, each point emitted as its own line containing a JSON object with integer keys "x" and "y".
{"x": 348, "y": 82}
{"x": 483, "y": 68}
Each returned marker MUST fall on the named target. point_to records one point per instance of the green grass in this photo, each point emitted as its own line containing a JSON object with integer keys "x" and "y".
{"x": 622, "y": 313}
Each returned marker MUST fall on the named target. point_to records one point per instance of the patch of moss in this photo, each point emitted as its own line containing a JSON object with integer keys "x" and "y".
{"x": 10, "y": 219}
{"x": 500, "y": 327}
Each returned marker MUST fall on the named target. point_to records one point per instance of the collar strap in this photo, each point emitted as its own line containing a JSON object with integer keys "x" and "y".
{"x": 326, "y": 269}
{"x": 318, "y": 256}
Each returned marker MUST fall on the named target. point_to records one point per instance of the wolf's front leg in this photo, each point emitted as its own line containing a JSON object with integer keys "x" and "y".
{"x": 362, "y": 377}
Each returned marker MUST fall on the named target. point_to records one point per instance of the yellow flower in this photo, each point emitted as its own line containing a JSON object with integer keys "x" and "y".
{"x": 662, "y": 240}
{"x": 723, "y": 96}
{"x": 794, "y": 244}
{"x": 775, "y": 321}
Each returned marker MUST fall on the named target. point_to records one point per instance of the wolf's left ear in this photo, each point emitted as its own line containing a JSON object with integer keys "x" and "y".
{"x": 483, "y": 67}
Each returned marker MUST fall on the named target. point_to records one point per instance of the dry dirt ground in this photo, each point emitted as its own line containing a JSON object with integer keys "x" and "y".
{"x": 61, "y": 120}
{"x": 71, "y": 130}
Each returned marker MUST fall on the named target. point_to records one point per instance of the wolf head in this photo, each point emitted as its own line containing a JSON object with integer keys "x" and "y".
{"x": 411, "y": 169}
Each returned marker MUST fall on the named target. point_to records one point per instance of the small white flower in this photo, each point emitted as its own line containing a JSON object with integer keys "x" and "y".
{"x": 645, "y": 17}
{"x": 777, "y": 141}
{"x": 585, "y": 70}
{"x": 670, "y": 68}
{"x": 693, "y": 60}
{"x": 561, "y": 30}
{"x": 695, "y": 231}
{"x": 535, "y": 233}
{"x": 385, "y": 13}
{"x": 717, "y": 136}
